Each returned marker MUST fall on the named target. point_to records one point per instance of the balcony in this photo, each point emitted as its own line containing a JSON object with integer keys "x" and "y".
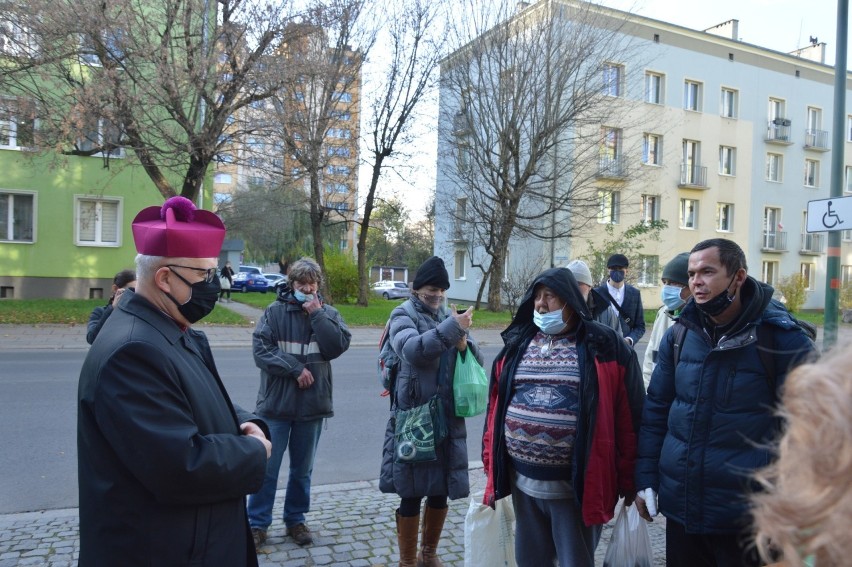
{"x": 612, "y": 167}
{"x": 458, "y": 233}
{"x": 812, "y": 244}
{"x": 774, "y": 241}
{"x": 816, "y": 140}
{"x": 693, "y": 176}
{"x": 778, "y": 132}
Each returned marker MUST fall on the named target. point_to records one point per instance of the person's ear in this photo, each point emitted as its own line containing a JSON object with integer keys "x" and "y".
{"x": 162, "y": 279}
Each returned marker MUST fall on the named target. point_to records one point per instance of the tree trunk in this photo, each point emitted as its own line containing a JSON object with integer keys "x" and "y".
{"x": 316, "y": 232}
{"x": 363, "y": 270}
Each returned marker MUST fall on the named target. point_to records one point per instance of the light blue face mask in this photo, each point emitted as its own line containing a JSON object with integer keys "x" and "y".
{"x": 670, "y": 295}
{"x": 301, "y": 297}
{"x": 550, "y": 323}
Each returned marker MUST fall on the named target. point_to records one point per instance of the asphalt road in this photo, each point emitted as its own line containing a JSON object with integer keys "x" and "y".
{"x": 38, "y": 393}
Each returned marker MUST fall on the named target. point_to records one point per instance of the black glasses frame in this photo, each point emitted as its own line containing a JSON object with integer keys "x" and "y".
{"x": 209, "y": 273}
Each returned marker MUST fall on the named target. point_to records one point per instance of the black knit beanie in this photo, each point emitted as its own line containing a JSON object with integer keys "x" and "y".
{"x": 432, "y": 272}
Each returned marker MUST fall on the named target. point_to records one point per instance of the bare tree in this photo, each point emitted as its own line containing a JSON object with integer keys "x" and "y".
{"x": 161, "y": 78}
{"x": 516, "y": 282}
{"x": 415, "y": 32}
{"x": 315, "y": 113}
{"x": 526, "y": 99}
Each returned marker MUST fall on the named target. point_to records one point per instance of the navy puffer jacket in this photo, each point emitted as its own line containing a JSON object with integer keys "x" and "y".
{"x": 708, "y": 424}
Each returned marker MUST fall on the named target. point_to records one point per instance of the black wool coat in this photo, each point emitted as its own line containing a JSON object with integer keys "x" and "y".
{"x": 163, "y": 469}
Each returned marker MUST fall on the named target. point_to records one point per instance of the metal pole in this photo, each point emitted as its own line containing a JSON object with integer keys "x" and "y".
{"x": 832, "y": 280}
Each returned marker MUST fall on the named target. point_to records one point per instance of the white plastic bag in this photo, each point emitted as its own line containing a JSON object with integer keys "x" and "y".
{"x": 489, "y": 535}
{"x": 630, "y": 545}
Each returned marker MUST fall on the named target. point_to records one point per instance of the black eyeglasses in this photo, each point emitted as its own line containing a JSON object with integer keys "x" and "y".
{"x": 209, "y": 273}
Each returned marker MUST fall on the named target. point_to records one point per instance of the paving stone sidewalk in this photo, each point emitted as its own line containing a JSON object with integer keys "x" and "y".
{"x": 352, "y": 524}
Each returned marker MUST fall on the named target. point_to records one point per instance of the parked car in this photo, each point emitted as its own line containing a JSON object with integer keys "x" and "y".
{"x": 245, "y": 281}
{"x": 251, "y": 270}
{"x": 392, "y": 289}
{"x": 275, "y": 279}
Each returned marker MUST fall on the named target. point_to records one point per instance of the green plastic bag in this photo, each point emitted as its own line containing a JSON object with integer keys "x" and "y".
{"x": 470, "y": 386}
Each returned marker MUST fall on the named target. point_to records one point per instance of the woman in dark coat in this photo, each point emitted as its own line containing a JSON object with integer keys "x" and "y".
{"x": 125, "y": 279}
{"x": 427, "y": 345}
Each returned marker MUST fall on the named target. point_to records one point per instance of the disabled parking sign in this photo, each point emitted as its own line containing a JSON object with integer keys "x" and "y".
{"x": 828, "y": 215}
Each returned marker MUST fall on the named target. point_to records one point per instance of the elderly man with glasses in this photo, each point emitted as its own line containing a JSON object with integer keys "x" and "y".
{"x": 165, "y": 459}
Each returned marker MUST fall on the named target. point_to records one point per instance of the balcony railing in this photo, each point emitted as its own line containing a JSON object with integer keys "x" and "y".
{"x": 692, "y": 175}
{"x": 812, "y": 243}
{"x": 460, "y": 123}
{"x": 774, "y": 241}
{"x": 612, "y": 166}
{"x": 778, "y": 131}
{"x": 459, "y": 234}
{"x": 816, "y": 140}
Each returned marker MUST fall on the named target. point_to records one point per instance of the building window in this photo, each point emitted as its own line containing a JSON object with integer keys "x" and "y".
{"x": 774, "y": 167}
{"x": 336, "y": 188}
{"x": 692, "y": 95}
{"x": 849, "y": 128}
{"x": 610, "y": 152}
{"x": 808, "y": 273}
{"x": 342, "y": 133}
{"x": 339, "y": 151}
{"x": 341, "y": 97}
{"x": 612, "y": 77}
{"x": 773, "y": 237}
{"x": 654, "y": 83}
{"x": 460, "y": 264}
{"x": 652, "y": 149}
{"x": 17, "y": 217}
{"x": 609, "y": 207}
{"x": 846, "y": 235}
{"x": 814, "y": 118}
{"x": 769, "y": 272}
{"x": 848, "y": 185}
{"x": 688, "y": 214}
{"x": 98, "y": 221}
{"x": 338, "y": 170}
{"x": 727, "y": 160}
{"x": 222, "y": 178}
{"x": 103, "y": 135}
{"x": 650, "y": 208}
{"x": 811, "y": 173}
{"x": 649, "y": 269}
{"x": 730, "y": 100}
{"x": 724, "y": 217}
{"x": 17, "y": 124}
{"x": 845, "y": 274}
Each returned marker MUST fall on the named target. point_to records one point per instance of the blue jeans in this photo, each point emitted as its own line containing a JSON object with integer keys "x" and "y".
{"x": 302, "y": 437}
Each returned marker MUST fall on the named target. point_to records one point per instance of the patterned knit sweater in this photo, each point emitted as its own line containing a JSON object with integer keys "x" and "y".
{"x": 541, "y": 420}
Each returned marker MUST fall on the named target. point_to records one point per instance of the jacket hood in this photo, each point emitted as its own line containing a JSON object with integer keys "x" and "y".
{"x": 560, "y": 280}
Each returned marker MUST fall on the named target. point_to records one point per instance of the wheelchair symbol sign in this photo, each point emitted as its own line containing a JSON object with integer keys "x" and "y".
{"x": 828, "y": 215}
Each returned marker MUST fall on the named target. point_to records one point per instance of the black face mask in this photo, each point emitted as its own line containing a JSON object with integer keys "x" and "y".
{"x": 719, "y": 303}
{"x": 202, "y": 298}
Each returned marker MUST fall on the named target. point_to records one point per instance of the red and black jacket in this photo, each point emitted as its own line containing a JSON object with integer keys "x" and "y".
{"x": 611, "y": 398}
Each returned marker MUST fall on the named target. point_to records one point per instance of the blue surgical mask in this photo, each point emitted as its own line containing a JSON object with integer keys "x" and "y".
{"x": 670, "y": 295}
{"x": 616, "y": 275}
{"x": 550, "y": 323}
{"x": 301, "y": 297}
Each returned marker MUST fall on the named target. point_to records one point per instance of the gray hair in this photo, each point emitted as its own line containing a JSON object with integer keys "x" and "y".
{"x": 305, "y": 270}
{"x": 147, "y": 266}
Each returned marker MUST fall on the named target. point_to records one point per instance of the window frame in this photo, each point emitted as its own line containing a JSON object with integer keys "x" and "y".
{"x": 460, "y": 265}
{"x": 9, "y": 237}
{"x": 609, "y": 206}
{"x": 646, "y": 149}
{"x": 682, "y": 214}
{"x": 690, "y": 104}
{"x": 99, "y": 242}
{"x": 728, "y": 160}
{"x": 808, "y": 271}
{"x": 778, "y": 170}
{"x": 765, "y": 268}
{"x": 650, "y": 204}
{"x": 10, "y": 116}
{"x": 730, "y": 104}
{"x": 648, "y": 268}
{"x": 659, "y": 92}
{"x": 811, "y": 177}
{"x": 728, "y": 218}
{"x": 613, "y": 86}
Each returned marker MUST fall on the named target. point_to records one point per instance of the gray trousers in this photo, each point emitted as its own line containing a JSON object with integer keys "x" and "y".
{"x": 552, "y": 532}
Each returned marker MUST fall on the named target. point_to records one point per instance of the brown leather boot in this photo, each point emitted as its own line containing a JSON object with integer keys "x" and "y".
{"x": 433, "y": 525}
{"x": 406, "y": 533}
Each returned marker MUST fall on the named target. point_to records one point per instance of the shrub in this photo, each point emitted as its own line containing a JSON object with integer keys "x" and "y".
{"x": 341, "y": 275}
{"x": 795, "y": 290}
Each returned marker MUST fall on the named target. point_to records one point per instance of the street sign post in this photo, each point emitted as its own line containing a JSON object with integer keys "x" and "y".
{"x": 829, "y": 215}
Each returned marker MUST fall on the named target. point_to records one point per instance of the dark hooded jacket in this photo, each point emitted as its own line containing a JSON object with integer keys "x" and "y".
{"x": 427, "y": 349}
{"x": 611, "y": 395}
{"x": 709, "y": 423}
